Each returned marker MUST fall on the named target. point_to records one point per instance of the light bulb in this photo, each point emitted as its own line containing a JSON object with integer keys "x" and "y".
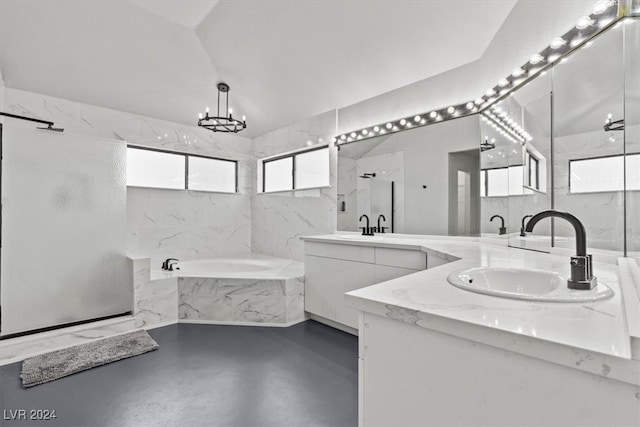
{"x": 364, "y": 131}
{"x": 451, "y": 110}
{"x": 244, "y": 118}
{"x": 389, "y": 125}
{"x": 207, "y": 110}
{"x": 517, "y": 72}
{"x": 601, "y": 6}
{"x": 200, "y": 115}
{"x": 376, "y": 129}
{"x": 584, "y": 22}
{"x": 490, "y": 92}
{"x": 416, "y": 119}
{"x": 433, "y": 114}
{"x": 470, "y": 106}
{"x": 343, "y": 137}
{"x": 353, "y": 134}
{"x": 536, "y": 58}
{"x": 403, "y": 122}
{"x": 503, "y": 82}
{"x": 557, "y": 43}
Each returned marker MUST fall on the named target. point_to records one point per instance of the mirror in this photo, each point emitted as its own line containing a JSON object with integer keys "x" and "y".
{"x": 632, "y": 135}
{"x": 515, "y": 164}
{"x": 588, "y": 162}
{"x": 423, "y": 180}
{"x": 543, "y": 147}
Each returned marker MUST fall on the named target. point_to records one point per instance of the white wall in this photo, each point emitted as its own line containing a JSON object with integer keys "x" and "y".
{"x": 160, "y": 223}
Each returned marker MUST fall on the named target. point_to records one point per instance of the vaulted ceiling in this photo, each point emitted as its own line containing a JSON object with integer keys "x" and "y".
{"x": 284, "y": 60}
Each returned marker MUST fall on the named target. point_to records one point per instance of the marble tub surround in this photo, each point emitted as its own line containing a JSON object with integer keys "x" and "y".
{"x": 426, "y": 299}
{"x": 273, "y": 296}
{"x": 155, "y": 302}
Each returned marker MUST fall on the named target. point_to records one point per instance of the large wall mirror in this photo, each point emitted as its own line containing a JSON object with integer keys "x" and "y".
{"x": 545, "y": 146}
{"x": 422, "y": 181}
{"x": 515, "y": 164}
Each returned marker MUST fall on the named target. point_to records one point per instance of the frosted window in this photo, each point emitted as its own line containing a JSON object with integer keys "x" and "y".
{"x": 501, "y": 182}
{"x": 516, "y": 180}
{"x": 146, "y": 168}
{"x": 633, "y": 172}
{"x": 212, "y": 175}
{"x": 594, "y": 175}
{"x": 312, "y": 169}
{"x": 278, "y": 174}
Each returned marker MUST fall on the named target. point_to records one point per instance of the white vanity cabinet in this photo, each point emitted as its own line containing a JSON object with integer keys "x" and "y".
{"x": 331, "y": 270}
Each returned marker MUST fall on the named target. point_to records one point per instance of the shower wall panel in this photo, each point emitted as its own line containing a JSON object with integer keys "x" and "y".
{"x": 63, "y": 229}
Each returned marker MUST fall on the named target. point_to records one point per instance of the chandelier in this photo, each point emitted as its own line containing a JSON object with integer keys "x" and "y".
{"x": 220, "y": 123}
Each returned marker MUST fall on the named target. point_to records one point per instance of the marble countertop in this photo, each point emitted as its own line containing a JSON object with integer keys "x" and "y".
{"x": 426, "y": 299}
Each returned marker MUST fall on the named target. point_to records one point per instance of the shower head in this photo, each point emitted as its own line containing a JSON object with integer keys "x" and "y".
{"x": 368, "y": 175}
{"x": 52, "y": 129}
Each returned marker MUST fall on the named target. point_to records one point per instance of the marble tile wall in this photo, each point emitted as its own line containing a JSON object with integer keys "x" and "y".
{"x": 161, "y": 223}
{"x": 279, "y": 220}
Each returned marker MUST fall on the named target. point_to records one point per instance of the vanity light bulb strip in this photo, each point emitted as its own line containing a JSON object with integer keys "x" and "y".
{"x": 604, "y": 13}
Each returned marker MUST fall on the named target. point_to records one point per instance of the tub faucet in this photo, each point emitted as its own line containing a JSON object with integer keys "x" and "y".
{"x": 167, "y": 265}
{"x": 380, "y": 228}
{"x": 503, "y": 229}
{"x": 581, "y": 264}
{"x": 366, "y": 231}
{"x": 524, "y": 218}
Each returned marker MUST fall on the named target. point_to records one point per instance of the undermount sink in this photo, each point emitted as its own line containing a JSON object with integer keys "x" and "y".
{"x": 525, "y": 284}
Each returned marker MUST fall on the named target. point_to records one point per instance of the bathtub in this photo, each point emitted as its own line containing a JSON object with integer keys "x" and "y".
{"x": 246, "y": 290}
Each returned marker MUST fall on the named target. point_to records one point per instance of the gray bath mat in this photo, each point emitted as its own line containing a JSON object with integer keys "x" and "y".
{"x": 61, "y": 363}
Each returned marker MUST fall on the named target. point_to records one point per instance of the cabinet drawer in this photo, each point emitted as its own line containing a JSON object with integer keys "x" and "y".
{"x": 403, "y": 258}
{"x": 338, "y": 251}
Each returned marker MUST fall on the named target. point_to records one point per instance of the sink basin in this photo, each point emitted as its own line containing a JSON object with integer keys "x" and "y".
{"x": 525, "y": 284}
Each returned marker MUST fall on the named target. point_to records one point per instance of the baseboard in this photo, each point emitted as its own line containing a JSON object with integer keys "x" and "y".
{"x": 231, "y": 323}
{"x": 333, "y": 324}
{"x": 159, "y": 325}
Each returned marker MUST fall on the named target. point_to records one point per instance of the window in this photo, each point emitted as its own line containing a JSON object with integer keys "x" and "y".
{"x": 278, "y": 174}
{"x": 603, "y": 174}
{"x": 533, "y": 171}
{"x": 501, "y": 182}
{"x": 296, "y": 171}
{"x": 153, "y": 168}
{"x": 207, "y": 174}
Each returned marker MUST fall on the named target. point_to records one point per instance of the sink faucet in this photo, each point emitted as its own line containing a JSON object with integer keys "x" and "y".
{"x": 366, "y": 231}
{"x": 524, "y": 219}
{"x": 167, "y": 264}
{"x": 581, "y": 265}
{"x": 503, "y": 229}
{"x": 380, "y": 228}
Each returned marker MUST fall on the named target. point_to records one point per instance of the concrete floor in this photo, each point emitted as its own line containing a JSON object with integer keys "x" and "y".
{"x": 206, "y": 375}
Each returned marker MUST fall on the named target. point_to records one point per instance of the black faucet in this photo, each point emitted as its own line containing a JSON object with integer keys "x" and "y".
{"x": 366, "y": 231}
{"x": 167, "y": 265}
{"x": 524, "y": 218}
{"x": 503, "y": 229}
{"x": 581, "y": 265}
{"x": 380, "y": 228}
